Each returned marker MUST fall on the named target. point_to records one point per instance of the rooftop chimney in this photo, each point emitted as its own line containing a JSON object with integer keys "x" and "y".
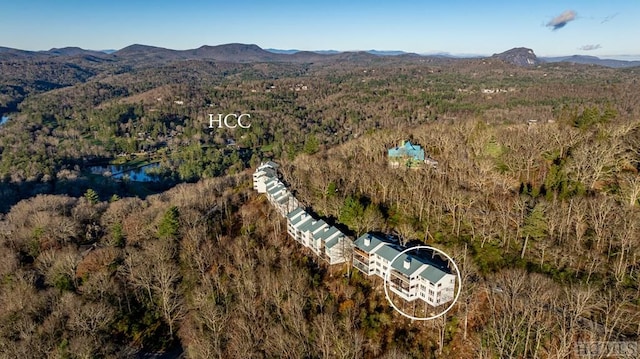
{"x": 367, "y": 241}
{"x": 407, "y": 263}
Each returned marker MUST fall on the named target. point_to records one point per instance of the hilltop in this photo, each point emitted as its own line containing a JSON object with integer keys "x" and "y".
{"x": 520, "y": 56}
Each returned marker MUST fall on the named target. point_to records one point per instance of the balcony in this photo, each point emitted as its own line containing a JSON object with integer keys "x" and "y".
{"x": 361, "y": 266}
{"x": 357, "y": 255}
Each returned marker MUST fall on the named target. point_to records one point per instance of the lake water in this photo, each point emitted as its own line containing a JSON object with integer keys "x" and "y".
{"x": 138, "y": 174}
{"x": 3, "y": 120}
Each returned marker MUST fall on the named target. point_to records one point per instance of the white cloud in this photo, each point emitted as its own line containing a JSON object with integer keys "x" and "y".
{"x": 562, "y": 20}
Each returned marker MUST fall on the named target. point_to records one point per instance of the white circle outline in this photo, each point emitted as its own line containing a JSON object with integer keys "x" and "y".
{"x": 387, "y": 273}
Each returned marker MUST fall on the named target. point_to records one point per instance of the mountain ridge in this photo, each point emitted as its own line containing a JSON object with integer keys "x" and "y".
{"x": 247, "y": 53}
{"x": 592, "y": 60}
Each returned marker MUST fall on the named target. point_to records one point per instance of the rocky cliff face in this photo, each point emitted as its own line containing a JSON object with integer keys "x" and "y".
{"x": 520, "y": 56}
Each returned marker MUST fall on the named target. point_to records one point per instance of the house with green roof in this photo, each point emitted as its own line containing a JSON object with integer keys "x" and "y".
{"x": 408, "y": 155}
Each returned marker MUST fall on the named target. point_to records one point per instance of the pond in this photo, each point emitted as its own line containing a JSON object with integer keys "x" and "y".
{"x": 136, "y": 174}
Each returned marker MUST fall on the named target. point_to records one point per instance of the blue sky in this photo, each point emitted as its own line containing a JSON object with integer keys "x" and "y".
{"x": 422, "y": 26}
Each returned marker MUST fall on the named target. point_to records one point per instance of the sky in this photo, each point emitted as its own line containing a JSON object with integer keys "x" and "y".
{"x": 551, "y": 28}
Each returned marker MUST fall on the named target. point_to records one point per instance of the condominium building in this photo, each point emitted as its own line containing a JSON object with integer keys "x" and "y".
{"x": 411, "y": 276}
{"x": 324, "y": 240}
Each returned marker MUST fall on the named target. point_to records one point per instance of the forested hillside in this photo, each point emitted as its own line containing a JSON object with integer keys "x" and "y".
{"x": 535, "y": 195}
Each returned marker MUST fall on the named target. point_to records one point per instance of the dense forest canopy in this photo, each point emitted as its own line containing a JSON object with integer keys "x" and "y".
{"x": 535, "y": 195}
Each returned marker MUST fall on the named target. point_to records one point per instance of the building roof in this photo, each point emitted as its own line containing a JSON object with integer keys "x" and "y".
{"x": 284, "y": 198}
{"x": 268, "y": 169}
{"x": 327, "y": 233}
{"x": 313, "y": 225}
{"x": 407, "y": 149}
{"x": 388, "y": 252}
{"x": 414, "y": 264}
{"x": 271, "y": 182}
{"x": 433, "y": 274}
{"x": 333, "y": 241}
{"x": 297, "y": 217}
{"x": 296, "y": 212}
{"x": 269, "y": 164}
{"x": 273, "y": 189}
{"x": 375, "y": 242}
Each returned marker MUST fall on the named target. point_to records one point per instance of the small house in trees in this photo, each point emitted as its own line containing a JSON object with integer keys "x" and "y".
{"x": 406, "y": 154}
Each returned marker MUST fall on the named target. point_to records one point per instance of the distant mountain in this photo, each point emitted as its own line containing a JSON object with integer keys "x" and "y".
{"x": 327, "y": 52}
{"x": 234, "y": 53}
{"x": 519, "y": 56}
{"x": 138, "y": 50}
{"x": 72, "y": 51}
{"x": 241, "y": 53}
{"x": 359, "y": 56}
{"x": 592, "y": 60}
{"x": 144, "y": 55}
{"x": 333, "y": 52}
{"x": 453, "y": 56}
{"x": 386, "y": 53}
{"x": 7, "y": 53}
{"x": 287, "y": 52}
{"x": 295, "y": 51}
{"x": 311, "y": 56}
